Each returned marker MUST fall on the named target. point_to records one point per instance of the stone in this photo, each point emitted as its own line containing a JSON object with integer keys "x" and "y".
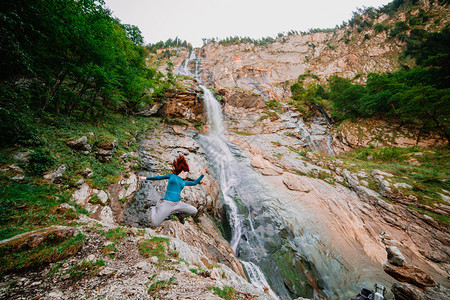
{"x": 381, "y": 173}
{"x": 107, "y": 217}
{"x": 154, "y": 259}
{"x": 143, "y": 265}
{"x": 103, "y": 196}
{"x": 87, "y": 173}
{"x": 80, "y": 144}
{"x": 265, "y": 166}
{"x": 395, "y": 256}
{"x": 402, "y": 185}
{"x": 22, "y": 156}
{"x": 65, "y": 206}
{"x": 215, "y": 275}
{"x": 409, "y": 274}
{"x": 385, "y": 188}
{"x": 57, "y": 175}
{"x": 91, "y": 258}
{"x": 81, "y": 195}
{"x": 107, "y": 271}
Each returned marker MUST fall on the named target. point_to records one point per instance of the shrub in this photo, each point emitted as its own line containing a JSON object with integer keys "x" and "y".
{"x": 40, "y": 161}
{"x": 227, "y": 293}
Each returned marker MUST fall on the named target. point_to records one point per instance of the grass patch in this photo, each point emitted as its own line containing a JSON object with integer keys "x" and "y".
{"x": 246, "y": 132}
{"x": 156, "y": 287}
{"x": 95, "y": 199}
{"x": 53, "y": 249}
{"x": 27, "y": 206}
{"x": 116, "y": 234}
{"x": 156, "y": 246}
{"x": 227, "y": 293}
{"x": 428, "y": 178}
{"x": 109, "y": 250}
{"x": 86, "y": 268}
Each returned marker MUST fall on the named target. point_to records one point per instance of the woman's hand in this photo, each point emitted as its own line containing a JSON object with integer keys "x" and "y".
{"x": 142, "y": 177}
{"x": 204, "y": 171}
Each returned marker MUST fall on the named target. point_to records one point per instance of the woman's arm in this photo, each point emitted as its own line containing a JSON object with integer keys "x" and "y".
{"x": 190, "y": 183}
{"x": 167, "y": 176}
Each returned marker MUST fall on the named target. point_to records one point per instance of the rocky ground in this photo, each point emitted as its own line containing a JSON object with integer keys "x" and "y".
{"x": 113, "y": 267}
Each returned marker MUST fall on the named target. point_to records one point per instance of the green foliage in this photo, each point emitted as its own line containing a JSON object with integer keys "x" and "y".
{"x": 167, "y": 44}
{"x": 40, "y": 161}
{"x": 156, "y": 287}
{"x": 95, "y": 199}
{"x": 25, "y": 206}
{"x": 379, "y": 27}
{"x": 86, "y": 268}
{"x": 109, "y": 250}
{"x": 428, "y": 179}
{"x": 116, "y": 234}
{"x": 228, "y": 292}
{"x": 156, "y": 246}
{"x": 53, "y": 249}
{"x": 70, "y": 58}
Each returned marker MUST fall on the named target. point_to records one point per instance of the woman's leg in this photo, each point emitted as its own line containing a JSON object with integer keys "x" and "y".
{"x": 185, "y": 208}
{"x": 162, "y": 211}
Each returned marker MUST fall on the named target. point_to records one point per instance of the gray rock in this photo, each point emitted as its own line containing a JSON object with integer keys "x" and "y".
{"x": 402, "y": 185}
{"x": 80, "y": 144}
{"x": 385, "y": 188}
{"x": 394, "y": 256}
{"x": 107, "y": 271}
{"x": 380, "y": 173}
{"x": 57, "y": 175}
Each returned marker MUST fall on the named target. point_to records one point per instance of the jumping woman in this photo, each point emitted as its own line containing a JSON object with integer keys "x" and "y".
{"x": 171, "y": 201}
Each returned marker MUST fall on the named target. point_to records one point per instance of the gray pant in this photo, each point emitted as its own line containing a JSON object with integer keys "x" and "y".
{"x": 166, "y": 207}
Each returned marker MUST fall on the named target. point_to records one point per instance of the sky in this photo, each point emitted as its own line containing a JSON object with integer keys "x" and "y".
{"x": 192, "y": 20}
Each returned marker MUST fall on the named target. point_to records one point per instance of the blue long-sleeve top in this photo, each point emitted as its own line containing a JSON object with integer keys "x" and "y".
{"x": 175, "y": 185}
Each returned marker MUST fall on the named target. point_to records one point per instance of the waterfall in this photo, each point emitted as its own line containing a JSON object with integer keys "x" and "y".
{"x": 229, "y": 169}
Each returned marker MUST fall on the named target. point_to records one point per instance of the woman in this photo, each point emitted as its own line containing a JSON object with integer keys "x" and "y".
{"x": 171, "y": 201}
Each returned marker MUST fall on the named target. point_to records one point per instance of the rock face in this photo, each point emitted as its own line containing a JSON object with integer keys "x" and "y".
{"x": 242, "y": 98}
{"x": 185, "y": 105}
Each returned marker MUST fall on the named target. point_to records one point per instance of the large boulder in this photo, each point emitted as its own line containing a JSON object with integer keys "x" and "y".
{"x": 409, "y": 274}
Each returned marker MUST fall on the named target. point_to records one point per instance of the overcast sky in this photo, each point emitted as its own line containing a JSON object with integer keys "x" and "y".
{"x": 192, "y": 20}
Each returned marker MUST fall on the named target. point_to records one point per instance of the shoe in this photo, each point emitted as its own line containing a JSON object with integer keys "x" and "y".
{"x": 152, "y": 216}
{"x": 181, "y": 218}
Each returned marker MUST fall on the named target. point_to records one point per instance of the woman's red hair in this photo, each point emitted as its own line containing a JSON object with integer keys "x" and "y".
{"x": 179, "y": 164}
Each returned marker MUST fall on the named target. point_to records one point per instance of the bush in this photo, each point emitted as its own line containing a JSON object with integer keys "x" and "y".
{"x": 40, "y": 161}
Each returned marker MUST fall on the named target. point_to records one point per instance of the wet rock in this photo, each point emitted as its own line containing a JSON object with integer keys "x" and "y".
{"x": 148, "y": 163}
